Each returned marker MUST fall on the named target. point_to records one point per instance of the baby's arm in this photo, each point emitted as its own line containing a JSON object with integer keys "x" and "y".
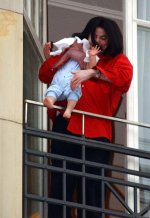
{"x": 46, "y": 50}
{"x": 92, "y": 56}
{"x": 74, "y": 52}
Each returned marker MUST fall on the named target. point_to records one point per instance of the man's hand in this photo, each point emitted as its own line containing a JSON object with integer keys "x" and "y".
{"x": 80, "y": 76}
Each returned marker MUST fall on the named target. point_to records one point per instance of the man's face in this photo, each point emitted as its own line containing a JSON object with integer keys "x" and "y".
{"x": 101, "y": 38}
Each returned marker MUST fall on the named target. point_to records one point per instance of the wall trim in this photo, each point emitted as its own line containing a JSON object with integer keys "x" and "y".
{"x": 81, "y": 7}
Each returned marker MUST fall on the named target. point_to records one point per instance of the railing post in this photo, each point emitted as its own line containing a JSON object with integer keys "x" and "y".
{"x": 83, "y": 124}
{"x": 64, "y": 188}
{"x": 26, "y": 113}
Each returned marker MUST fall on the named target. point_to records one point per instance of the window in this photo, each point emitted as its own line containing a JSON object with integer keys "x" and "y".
{"x": 36, "y": 12}
{"x": 144, "y": 104}
{"x": 34, "y": 36}
{"x": 143, "y": 9}
{"x": 143, "y": 51}
{"x": 137, "y": 47}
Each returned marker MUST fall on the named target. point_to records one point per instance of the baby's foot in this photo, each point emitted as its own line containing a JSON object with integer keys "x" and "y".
{"x": 67, "y": 114}
{"x": 48, "y": 103}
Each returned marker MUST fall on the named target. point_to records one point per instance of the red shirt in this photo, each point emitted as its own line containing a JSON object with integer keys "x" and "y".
{"x": 102, "y": 97}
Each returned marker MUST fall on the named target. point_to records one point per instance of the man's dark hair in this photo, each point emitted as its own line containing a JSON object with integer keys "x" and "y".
{"x": 115, "y": 39}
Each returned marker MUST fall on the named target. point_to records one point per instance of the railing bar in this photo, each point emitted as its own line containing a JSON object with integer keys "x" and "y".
{"x": 34, "y": 102}
{"x": 106, "y": 179}
{"x": 64, "y": 188}
{"x": 145, "y": 210}
{"x": 77, "y": 205}
{"x": 25, "y": 207}
{"x": 83, "y": 181}
{"x": 25, "y": 179}
{"x": 103, "y": 191}
{"x": 95, "y": 115}
{"x": 109, "y": 179}
{"x": 83, "y": 124}
{"x": 45, "y": 187}
{"x": 135, "y": 199}
{"x": 89, "y": 163}
{"x": 83, "y": 168}
{"x": 119, "y": 197}
{"x": 26, "y": 113}
{"x": 88, "y": 142}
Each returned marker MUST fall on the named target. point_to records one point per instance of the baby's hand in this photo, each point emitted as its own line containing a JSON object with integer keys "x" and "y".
{"x": 94, "y": 50}
{"x": 46, "y": 49}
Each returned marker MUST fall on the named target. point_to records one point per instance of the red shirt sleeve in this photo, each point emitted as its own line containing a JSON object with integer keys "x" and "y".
{"x": 119, "y": 71}
{"x": 48, "y": 69}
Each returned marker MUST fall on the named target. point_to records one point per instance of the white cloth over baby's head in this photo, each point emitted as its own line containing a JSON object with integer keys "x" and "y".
{"x": 64, "y": 43}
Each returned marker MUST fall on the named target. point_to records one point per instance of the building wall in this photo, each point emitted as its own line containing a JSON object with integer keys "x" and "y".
{"x": 11, "y": 86}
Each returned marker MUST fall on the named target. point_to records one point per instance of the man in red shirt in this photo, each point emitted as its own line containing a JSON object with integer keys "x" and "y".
{"x": 102, "y": 88}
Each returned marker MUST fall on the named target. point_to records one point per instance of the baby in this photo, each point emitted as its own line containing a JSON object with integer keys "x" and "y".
{"x": 78, "y": 53}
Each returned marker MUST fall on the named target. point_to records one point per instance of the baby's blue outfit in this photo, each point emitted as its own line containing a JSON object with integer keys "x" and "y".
{"x": 60, "y": 86}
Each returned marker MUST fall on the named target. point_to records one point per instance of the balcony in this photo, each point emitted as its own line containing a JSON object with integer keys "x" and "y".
{"x": 120, "y": 185}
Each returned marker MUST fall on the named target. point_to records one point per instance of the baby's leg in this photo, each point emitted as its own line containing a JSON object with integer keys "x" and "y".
{"x": 70, "y": 106}
{"x": 49, "y": 102}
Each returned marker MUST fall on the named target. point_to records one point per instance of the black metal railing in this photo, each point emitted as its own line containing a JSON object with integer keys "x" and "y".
{"x": 37, "y": 162}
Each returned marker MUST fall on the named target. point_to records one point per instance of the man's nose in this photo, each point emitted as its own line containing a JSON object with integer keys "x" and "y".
{"x": 97, "y": 41}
